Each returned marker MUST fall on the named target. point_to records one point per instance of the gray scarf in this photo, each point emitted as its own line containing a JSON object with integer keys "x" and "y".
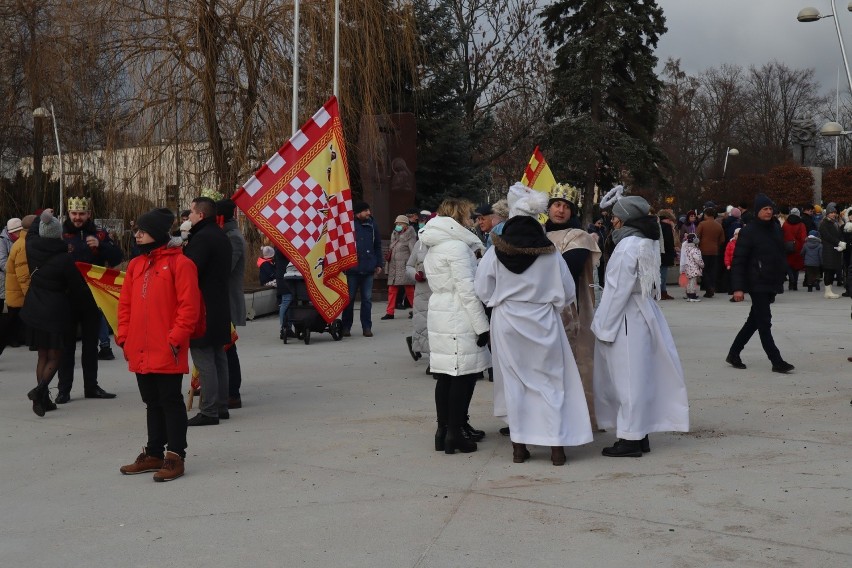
{"x": 625, "y": 231}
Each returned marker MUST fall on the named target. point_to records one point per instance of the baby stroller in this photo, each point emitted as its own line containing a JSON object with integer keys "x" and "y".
{"x": 303, "y": 315}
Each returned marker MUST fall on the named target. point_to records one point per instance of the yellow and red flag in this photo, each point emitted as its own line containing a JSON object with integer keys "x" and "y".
{"x": 537, "y": 174}
{"x": 301, "y": 200}
{"x": 105, "y": 284}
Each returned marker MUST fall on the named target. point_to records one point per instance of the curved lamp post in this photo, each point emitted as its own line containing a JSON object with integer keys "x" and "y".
{"x": 833, "y": 130}
{"x": 810, "y": 14}
{"x": 729, "y": 152}
{"x": 42, "y": 112}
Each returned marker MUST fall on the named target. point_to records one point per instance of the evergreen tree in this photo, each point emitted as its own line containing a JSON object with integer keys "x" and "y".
{"x": 606, "y": 92}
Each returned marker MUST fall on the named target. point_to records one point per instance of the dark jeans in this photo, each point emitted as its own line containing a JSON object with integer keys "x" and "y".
{"x": 708, "y": 276}
{"x": 759, "y": 320}
{"x": 235, "y": 375}
{"x": 362, "y": 281}
{"x": 90, "y": 324}
{"x": 103, "y": 334}
{"x": 166, "y": 413}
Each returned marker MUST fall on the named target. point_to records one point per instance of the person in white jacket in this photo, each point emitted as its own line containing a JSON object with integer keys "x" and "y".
{"x": 638, "y": 379}
{"x": 458, "y": 327}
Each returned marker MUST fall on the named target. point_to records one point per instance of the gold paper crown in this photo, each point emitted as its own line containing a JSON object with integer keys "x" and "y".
{"x": 565, "y": 191}
{"x": 211, "y": 193}
{"x": 78, "y": 204}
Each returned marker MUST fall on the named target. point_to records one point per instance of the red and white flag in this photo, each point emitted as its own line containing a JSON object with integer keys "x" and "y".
{"x": 302, "y": 201}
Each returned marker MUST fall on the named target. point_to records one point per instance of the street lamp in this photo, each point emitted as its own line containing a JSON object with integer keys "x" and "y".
{"x": 729, "y": 152}
{"x": 833, "y": 130}
{"x": 810, "y": 14}
{"x": 40, "y": 113}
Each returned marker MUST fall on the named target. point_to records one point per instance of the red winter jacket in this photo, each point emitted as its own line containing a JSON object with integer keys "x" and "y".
{"x": 159, "y": 307}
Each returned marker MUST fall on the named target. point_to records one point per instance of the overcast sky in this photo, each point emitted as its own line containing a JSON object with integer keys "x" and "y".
{"x": 707, "y": 33}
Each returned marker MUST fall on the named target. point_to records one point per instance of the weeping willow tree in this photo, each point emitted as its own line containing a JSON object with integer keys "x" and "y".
{"x": 212, "y": 80}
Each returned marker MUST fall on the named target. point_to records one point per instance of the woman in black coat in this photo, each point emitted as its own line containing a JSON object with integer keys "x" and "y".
{"x": 55, "y": 286}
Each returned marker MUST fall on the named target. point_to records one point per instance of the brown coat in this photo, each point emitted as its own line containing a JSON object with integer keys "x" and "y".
{"x": 711, "y": 237}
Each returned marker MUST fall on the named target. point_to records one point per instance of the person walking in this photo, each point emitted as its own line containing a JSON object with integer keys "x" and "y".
{"x": 55, "y": 283}
{"x": 759, "y": 268}
{"x": 210, "y": 249}
{"x": 526, "y": 283}
{"x": 639, "y": 383}
{"x": 402, "y": 240}
{"x": 458, "y": 326}
{"x": 158, "y": 311}
{"x": 368, "y": 245}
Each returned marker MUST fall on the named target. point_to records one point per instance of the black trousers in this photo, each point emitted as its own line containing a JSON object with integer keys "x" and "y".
{"x": 166, "y": 413}
{"x": 452, "y": 398}
{"x": 90, "y": 324}
{"x": 708, "y": 276}
{"x": 235, "y": 376}
{"x": 759, "y": 320}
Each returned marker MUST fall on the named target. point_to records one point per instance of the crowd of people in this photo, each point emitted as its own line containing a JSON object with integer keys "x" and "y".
{"x": 492, "y": 289}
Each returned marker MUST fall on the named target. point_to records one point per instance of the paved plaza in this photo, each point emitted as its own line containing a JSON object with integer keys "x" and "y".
{"x": 330, "y": 463}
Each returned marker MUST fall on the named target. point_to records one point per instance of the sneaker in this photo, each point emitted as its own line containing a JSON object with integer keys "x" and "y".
{"x": 202, "y": 420}
{"x": 782, "y": 367}
{"x": 106, "y": 354}
{"x": 172, "y": 468}
{"x": 143, "y": 464}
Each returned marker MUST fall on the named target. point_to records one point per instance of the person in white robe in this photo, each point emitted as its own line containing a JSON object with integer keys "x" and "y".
{"x": 638, "y": 379}
{"x": 527, "y": 284}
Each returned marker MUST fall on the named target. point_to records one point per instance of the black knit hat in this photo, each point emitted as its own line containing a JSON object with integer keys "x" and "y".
{"x": 761, "y": 201}
{"x": 360, "y": 206}
{"x": 157, "y": 223}
{"x": 521, "y": 242}
{"x": 225, "y": 208}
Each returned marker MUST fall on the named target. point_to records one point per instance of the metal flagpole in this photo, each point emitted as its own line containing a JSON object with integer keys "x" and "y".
{"x": 336, "y": 48}
{"x": 295, "y": 115}
{"x": 837, "y": 118}
{"x": 61, "y": 168}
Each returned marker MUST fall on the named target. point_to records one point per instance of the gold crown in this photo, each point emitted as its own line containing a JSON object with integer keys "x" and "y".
{"x": 79, "y": 204}
{"x": 565, "y": 191}
{"x": 211, "y": 193}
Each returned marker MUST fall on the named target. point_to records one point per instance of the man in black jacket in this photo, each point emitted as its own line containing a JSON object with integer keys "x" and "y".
{"x": 210, "y": 250}
{"x": 759, "y": 268}
{"x": 90, "y": 244}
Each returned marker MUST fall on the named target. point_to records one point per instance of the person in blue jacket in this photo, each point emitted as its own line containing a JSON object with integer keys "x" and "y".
{"x": 370, "y": 262}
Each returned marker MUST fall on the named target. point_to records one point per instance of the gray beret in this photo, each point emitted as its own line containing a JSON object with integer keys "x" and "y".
{"x": 631, "y": 207}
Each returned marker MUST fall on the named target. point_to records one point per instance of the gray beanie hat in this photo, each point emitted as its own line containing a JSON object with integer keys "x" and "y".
{"x": 631, "y": 207}
{"x": 49, "y": 227}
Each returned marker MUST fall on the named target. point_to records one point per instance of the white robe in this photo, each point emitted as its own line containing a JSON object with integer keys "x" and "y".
{"x": 639, "y": 385}
{"x": 537, "y": 387}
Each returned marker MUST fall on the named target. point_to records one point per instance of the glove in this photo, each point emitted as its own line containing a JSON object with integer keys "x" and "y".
{"x": 419, "y": 276}
{"x": 483, "y": 339}
{"x": 841, "y": 246}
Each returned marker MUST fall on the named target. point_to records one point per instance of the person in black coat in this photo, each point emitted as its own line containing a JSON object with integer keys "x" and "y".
{"x": 759, "y": 268}
{"x": 667, "y": 256}
{"x": 210, "y": 249}
{"x": 55, "y": 283}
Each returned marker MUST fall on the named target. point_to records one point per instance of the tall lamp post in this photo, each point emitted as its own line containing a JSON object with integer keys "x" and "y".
{"x": 810, "y": 14}
{"x": 40, "y": 113}
{"x": 729, "y": 152}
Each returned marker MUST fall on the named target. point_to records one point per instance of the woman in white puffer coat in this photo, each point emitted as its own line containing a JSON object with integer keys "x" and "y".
{"x": 458, "y": 327}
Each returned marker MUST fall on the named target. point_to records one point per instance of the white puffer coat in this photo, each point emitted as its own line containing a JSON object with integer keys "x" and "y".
{"x": 456, "y": 316}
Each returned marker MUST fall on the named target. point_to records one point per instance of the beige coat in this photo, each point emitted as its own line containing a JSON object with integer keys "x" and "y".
{"x": 400, "y": 249}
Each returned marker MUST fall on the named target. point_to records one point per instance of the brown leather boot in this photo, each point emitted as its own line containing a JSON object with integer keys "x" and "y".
{"x": 557, "y": 455}
{"x": 520, "y": 453}
{"x": 172, "y": 468}
{"x": 143, "y": 464}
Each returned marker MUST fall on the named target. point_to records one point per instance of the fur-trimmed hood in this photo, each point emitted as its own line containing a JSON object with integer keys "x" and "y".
{"x": 521, "y": 242}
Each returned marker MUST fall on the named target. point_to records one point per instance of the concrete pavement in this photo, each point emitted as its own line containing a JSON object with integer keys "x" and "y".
{"x": 330, "y": 463}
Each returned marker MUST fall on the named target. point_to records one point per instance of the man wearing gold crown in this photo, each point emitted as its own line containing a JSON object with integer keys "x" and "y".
{"x": 580, "y": 251}
{"x": 90, "y": 244}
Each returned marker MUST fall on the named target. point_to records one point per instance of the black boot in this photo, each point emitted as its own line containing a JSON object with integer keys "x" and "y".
{"x": 37, "y": 396}
{"x": 471, "y": 432}
{"x": 440, "y": 434}
{"x": 48, "y": 404}
{"x": 646, "y": 444}
{"x": 624, "y": 449}
{"x": 455, "y": 440}
{"x": 414, "y": 355}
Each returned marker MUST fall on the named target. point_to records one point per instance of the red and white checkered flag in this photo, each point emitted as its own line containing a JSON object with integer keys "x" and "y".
{"x": 302, "y": 201}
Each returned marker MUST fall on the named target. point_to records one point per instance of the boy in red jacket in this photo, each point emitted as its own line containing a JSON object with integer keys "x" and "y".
{"x": 158, "y": 311}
